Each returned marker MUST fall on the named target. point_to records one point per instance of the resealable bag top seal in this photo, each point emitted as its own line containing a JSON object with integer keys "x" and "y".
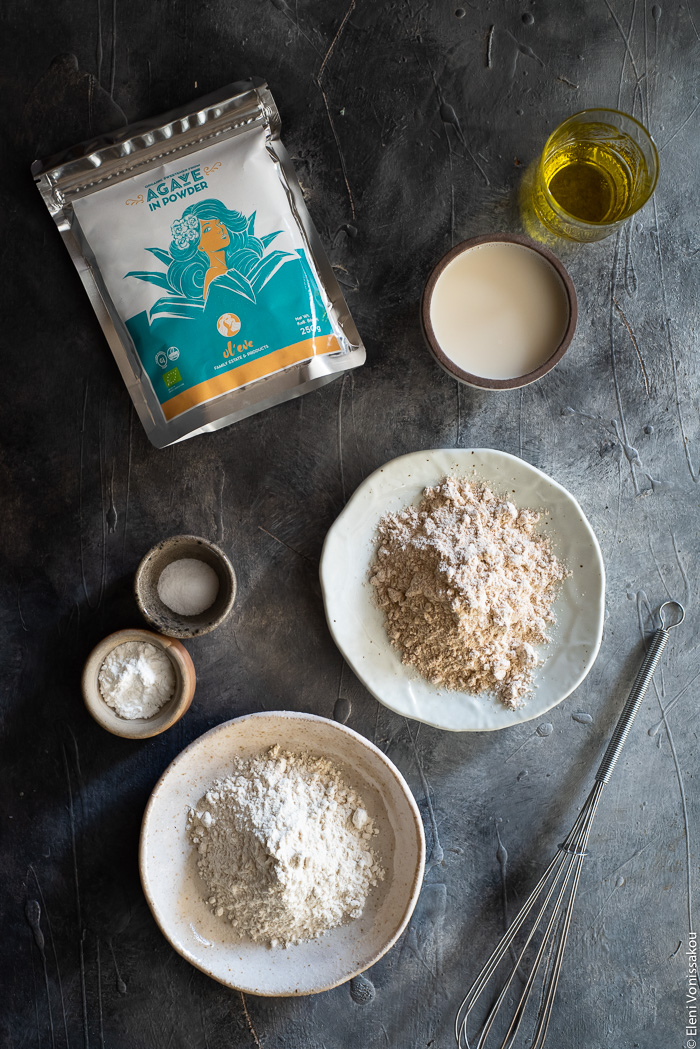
{"x": 193, "y": 241}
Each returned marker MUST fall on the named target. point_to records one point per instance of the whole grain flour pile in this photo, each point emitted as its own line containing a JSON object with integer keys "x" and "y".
{"x": 284, "y": 848}
{"x": 467, "y": 588}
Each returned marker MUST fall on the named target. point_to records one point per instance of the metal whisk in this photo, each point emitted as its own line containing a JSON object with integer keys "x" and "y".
{"x": 552, "y": 901}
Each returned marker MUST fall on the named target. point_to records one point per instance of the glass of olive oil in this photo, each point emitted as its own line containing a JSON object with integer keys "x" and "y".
{"x": 597, "y": 169}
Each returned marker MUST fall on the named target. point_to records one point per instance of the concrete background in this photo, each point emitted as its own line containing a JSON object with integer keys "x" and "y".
{"x": 438, "y": 108}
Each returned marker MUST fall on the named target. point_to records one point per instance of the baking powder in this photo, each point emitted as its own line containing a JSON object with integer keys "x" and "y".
{"x": 136, "y": 679}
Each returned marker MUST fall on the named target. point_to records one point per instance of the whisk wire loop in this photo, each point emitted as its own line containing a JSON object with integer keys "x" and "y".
{"x": 553, "y": 898}
{"x": 559, "y": 883}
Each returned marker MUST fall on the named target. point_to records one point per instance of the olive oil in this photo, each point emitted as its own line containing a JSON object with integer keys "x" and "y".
{"x": 592, "y": 182}
{"x": 597, "y": 169}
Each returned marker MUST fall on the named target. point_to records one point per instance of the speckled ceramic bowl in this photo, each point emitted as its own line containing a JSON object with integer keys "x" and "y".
{"x": 158, "y": 614}
{"x": 139, "y": 728}
{"x": 175, "y": 891}
{"x": 357, "y": 622}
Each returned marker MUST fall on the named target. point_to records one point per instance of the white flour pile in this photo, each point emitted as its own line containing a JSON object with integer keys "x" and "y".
{"x": 136, "y": 679}
{"x": 284, "y": 848}
{"x": 467, "y": 588}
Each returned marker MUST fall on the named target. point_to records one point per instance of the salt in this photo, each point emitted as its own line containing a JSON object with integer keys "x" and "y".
{"x": 188, "y": 586}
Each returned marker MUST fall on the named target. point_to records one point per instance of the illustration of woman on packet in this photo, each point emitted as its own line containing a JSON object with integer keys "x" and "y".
{"x": 211, "y": 243}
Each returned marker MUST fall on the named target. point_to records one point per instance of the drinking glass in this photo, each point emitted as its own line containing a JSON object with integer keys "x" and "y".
{"x": 597, "y": 169}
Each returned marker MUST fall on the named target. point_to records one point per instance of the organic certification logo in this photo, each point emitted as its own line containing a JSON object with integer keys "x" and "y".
{"x": 228, "y": 325}
{"x": 172, "y": 378}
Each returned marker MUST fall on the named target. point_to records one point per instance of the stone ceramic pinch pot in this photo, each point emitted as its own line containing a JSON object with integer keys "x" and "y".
{"x": 156, "y": 612}
{"x": 498, "y": 312}
{"x": 169, "y": 713}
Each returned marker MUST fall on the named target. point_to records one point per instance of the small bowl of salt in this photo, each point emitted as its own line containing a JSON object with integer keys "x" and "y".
{"x": 137, "y": 684}
{"x": 185, "y": 586}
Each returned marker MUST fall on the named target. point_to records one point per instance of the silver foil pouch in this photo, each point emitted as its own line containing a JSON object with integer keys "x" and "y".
{"x": 193, "y": 241}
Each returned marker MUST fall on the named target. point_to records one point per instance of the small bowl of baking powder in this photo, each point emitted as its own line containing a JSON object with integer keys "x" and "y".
{"x": 185, "y": 586}
{"x": 137, "y": 684}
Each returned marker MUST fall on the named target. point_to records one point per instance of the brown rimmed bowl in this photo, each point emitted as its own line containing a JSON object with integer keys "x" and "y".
{"x": 156, "y": 613}
{"x": 168, "y": 715}
{"x": 479, "y": 381}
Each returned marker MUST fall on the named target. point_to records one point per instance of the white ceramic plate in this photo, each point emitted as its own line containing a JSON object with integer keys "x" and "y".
{"x": 175, "y": 892}
{"x": 357, "y": 624}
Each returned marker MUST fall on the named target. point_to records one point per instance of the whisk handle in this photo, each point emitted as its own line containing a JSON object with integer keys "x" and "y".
{"x": 637, "y": 693}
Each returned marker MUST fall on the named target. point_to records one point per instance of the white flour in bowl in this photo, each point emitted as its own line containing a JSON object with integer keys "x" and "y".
{"x": 284, "y": 848}
{"x": 467, "y": 587}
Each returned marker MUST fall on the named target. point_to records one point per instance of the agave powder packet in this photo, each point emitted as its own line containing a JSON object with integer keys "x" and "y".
{"x": 193, "y": 241}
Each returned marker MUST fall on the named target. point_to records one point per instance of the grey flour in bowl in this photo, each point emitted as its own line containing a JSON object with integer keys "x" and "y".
{"x": 284, "y": 848}
{"x": 467, "y": 587}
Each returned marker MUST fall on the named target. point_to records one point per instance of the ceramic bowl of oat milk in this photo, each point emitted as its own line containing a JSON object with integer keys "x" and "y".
{"x": 498, "y": 312}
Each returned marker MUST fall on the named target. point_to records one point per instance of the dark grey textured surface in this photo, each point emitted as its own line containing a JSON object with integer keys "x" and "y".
{"x": 437, "y": 108}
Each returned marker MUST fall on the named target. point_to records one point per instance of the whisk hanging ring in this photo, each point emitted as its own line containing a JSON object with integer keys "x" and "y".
{"x": 662, "y": 616}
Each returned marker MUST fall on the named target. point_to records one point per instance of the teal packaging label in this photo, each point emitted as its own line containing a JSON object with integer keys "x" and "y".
{"x": 229, "y": 298}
